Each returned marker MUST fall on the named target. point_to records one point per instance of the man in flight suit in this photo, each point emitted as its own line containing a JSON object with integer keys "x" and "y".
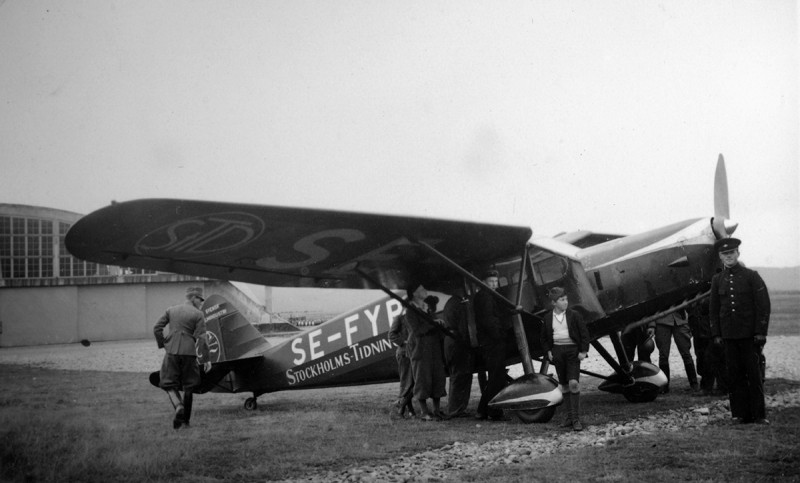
{"x": 739, "y": 311}
{"x": 180, "y": 370}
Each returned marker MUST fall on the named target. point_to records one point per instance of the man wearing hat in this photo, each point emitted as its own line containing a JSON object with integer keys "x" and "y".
{"x": 179, "y": 370}
{"x": 739, "y": 311}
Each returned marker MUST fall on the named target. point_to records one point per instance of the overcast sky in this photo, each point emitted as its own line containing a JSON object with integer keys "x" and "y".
{"x": 558, "y": 115}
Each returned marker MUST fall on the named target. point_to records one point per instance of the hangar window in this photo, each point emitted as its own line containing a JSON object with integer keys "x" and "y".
{"x": 47, "y": 267}
{"x": 65, "y": 267}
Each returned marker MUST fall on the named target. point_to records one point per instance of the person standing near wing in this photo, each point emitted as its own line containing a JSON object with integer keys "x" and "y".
{"x": 565, "y": 339}
{"x": 425, "y": 346}
{"x": 180, "y": 369}
{"x": 398, "y": 335}
{"x": 458, "y": 355}
{"x": 493, "y": 327}
{"x": 739, "y": 311}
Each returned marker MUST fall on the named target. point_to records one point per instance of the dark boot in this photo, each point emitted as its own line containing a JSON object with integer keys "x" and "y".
{"x": 177, "y": 403}
{"x": 568, "y": 406}
{"x": 691, "y": 374}
{"x": 188, "y": 398}
{"x": 575, "y": 403}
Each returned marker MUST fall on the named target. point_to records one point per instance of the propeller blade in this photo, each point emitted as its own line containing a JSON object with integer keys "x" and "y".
{"x": 721, "y": 208}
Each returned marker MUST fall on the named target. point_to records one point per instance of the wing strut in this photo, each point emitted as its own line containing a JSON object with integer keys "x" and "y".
{"x": 519, "y": 330}
{"x": 658, "y": 315}
{"x": 467, "y": 274}
{"x": 409, "y": 306}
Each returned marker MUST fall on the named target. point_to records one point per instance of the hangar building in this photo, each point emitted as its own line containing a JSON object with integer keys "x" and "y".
{"x": 47, "y": 296}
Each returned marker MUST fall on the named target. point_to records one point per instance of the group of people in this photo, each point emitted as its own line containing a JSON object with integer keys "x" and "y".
{"x": 425, "y": 345}
{"x": 729, "y": 330}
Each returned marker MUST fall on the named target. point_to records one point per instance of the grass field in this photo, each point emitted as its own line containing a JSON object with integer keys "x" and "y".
{"x": 90, "y": 426}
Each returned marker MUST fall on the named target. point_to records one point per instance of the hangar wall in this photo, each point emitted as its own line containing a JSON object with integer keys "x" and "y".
{"x": 28, "y": 318}
{"x": 63, "y": 315}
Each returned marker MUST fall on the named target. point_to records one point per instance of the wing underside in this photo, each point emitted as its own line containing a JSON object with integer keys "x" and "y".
{"x": 286, "y": 247}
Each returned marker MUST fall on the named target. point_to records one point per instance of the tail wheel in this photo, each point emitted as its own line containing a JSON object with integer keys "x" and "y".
{"x": 251, "y": 404}
{"x": 536, "y": 416}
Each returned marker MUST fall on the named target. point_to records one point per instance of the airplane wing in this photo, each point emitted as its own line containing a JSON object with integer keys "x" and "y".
{"x": 285, "y": 247}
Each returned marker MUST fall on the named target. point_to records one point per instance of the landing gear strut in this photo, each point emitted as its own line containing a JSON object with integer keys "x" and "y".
{"x": 638, "y": 382}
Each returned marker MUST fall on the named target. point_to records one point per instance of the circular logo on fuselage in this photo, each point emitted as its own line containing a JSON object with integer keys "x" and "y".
{"x": 213, "y": 347}
{"x": 202, "y": 235}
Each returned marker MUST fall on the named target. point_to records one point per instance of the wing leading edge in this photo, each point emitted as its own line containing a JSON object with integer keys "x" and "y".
{"x": 285, "y": 247}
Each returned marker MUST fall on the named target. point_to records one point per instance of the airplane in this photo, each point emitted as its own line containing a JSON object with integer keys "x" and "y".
{"x": 617, "y": 283}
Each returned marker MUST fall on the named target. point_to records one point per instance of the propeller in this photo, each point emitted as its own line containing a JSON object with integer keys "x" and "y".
{"x": 722, "y": 226}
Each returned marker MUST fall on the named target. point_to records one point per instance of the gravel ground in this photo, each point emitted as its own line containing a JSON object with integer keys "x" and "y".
{"x": 783, "y": 360}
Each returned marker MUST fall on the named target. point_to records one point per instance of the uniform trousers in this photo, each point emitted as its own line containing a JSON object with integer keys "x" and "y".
{"x": 493, "y": 355}
{"x": 743, "y": 357}
{"x": 460, "y": 362}
{"x": 683, "y": 341}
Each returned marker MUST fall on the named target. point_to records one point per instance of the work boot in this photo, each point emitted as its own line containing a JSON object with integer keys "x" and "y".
{"x": 568, "y": 421}
{"x": 399, "y": 409}
{"x": 177, "y": 403}
{"x": 575, "y": 404}
{"x": 188, "y": 398}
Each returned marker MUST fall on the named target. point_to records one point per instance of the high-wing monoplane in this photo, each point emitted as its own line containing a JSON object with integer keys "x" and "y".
{"x": 617, "y": 282}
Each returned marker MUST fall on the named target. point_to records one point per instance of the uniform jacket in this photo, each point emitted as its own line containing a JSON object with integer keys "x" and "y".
{"x": 740, "y": 304}
{"x": 576, "y": 326}
{"x": 489, "y": 318}
{"x": 455, "y": 316}
{"x": 186, "y": 326}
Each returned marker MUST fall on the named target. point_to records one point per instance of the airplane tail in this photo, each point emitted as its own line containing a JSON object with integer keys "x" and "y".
{"x": 230, "y": 335}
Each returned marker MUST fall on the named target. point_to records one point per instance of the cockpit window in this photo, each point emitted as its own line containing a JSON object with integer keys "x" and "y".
{"x": 549, "y": 270}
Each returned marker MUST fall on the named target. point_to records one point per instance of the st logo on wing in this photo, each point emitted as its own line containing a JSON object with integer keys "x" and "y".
{"x": 201, "y": 235}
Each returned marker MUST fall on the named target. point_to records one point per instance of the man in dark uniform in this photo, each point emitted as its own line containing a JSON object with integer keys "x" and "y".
{"x": 739, "y": 311}
{"x": 493, "y": 326}
{"x": 458, "y": 355}
{"x": 180, "y": 370}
